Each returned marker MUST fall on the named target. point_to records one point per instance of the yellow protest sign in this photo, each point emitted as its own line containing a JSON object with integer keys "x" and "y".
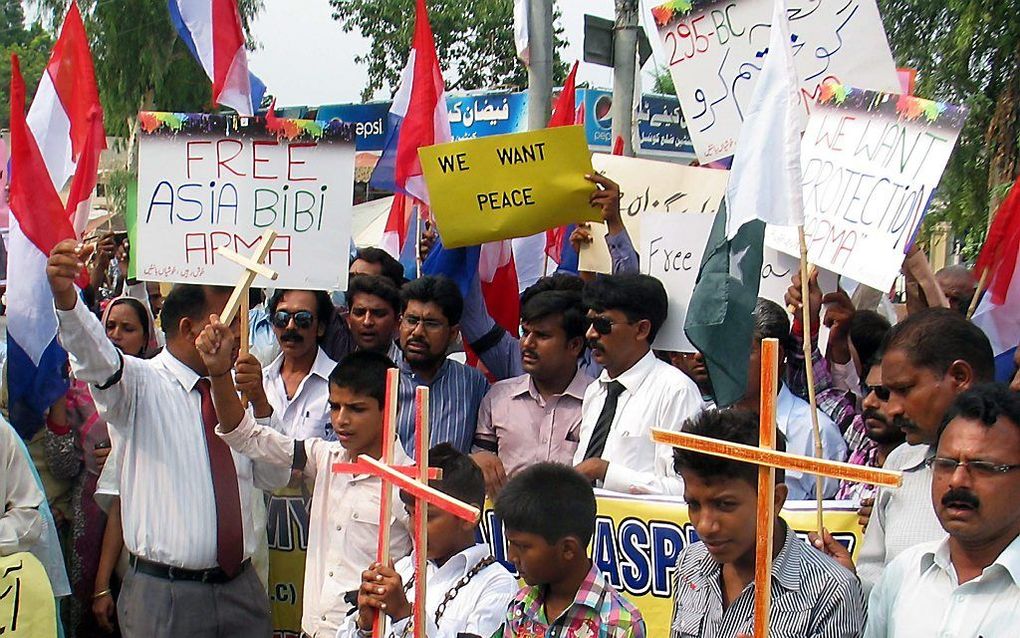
{"x": 27, "y": 607}
{"x": 505, "y": 186}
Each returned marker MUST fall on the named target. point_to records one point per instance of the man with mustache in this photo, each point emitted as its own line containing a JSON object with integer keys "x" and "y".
{"x": 635, "y": 392}
{"x": 965, "y": 584}
{"x": 536, "y": 417}
{"x": 373, "y": 307}
{"x": 292, "y": 393}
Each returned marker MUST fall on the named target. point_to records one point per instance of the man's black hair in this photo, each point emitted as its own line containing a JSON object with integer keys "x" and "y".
{"x": 375, "y": 285}
{"x": 439, "y": 290}
{"x": 186, "y": 300}
{"x": 867, "y": 331}
{"x": 555, "y": 281}
{"x": 734, "y": 426}
{"x": 934, "y": 338}
{"x": 462, "y": 478}
{"x": 323, "y": 304}
{"x": 771, "y": 322}
{"x": 551, "y": 500}
{"x": 985, "y": 403}
{"x": 363, "y": 372}
{"x": 566, "y": 304}
{"x": 637, "y": 296}
{"x": 391, "y": 268}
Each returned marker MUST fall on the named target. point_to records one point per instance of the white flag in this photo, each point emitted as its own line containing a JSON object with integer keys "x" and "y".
{"x": 765, "y": 177}
{"x": 521, "y": 30}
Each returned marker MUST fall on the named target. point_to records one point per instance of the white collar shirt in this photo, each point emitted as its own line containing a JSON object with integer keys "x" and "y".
{"x": 920, "y": 595}
{"x": 656, "y": 395}
{"x": 306, "y": 414}
{"x": 343, "y": 522}
{"x": 478, "y": 608}
{"x": 154, "y": 414}
{"x": 793, "y": 419}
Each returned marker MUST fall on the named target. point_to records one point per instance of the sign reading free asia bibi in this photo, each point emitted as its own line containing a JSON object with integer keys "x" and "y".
{"x": 212, "y": 181}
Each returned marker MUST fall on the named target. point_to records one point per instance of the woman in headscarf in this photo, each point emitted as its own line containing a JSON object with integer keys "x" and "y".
{"x": 77, "y": 448}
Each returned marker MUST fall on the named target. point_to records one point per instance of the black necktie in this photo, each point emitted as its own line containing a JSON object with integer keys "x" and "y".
{"x": 601, "y": 431}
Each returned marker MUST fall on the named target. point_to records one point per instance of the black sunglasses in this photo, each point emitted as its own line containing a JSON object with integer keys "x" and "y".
{"x": 604, "y": 325}
{"x": 880, "y": 391}
{"x": 302, "y": 318}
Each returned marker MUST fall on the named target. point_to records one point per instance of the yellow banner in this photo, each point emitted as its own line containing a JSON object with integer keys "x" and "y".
{"x": 636, "y": 545}
{"x": 287, "y": 525}
{"x": 27, "y": 607}
{"x": 505, "y": 186}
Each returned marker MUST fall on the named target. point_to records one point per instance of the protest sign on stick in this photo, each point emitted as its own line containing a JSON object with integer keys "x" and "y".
{"x": 715, "y": 50}
{"x": 218, "y": 181}
{"x": 871, "y": 163}
{"x": 506, "y": 186}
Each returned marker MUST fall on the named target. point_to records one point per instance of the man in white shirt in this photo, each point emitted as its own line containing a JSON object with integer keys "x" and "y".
{"x": 969, "y": 583}
{"x": 293, "y": 390}
{"x": 21, "y": 522}
{"x": 467, "y": 590}
{"x": 635, "y": 392}
{"x": 793, "y": 414}
{"x": 181, "y": 487}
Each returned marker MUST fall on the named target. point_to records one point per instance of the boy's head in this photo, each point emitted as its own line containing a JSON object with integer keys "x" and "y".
{"x": 357, "y": 394}
{"x": 722, "y": 495}
{"x": 548, "y": 512}
{"x": 462, "y": 479}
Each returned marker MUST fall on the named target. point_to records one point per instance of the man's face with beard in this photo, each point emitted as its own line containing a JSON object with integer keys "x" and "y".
{"x": 425, "y": 334}
{"x": 879, "y": 427}
{"x": 296, "y": 324}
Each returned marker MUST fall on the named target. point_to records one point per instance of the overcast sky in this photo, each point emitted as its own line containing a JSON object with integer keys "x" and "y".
{"x": 306, "y": 59}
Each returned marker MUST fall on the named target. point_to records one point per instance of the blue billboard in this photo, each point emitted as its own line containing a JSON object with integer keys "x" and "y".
{"x": 370, "y": 122}
{"x": 661, "y": 126}
{"x": 487, "y": 114}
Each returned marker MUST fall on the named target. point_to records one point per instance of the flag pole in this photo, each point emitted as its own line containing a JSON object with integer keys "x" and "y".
{"x": 981, "y": 287}
{"x": 809, "y": 368}
{"x": 417, "y": 243}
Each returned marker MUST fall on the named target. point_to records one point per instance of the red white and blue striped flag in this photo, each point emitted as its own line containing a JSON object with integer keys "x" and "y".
{"x": 60, "y": 140}
{"x": 998, "y": 314}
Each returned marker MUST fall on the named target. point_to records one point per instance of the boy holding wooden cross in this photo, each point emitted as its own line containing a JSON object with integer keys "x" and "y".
{"x": 344, "y": 518}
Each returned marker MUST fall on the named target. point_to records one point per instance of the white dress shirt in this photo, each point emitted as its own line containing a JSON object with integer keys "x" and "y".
{"x": 656, "y": 395}
{"x": 920, "y": 595}
{"x": 479, "y": 607}
{"x": 793, "y": 419}
{"x": 306, "y": 414}
{"x": 154, "y": 413}
{"x": 21, "y": 522}
{"x": 343, "y": 525}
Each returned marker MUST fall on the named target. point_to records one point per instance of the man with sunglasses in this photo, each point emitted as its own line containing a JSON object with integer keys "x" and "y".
{"x": 635, "y": 392}
{"x": 292, "y": 392}
{"x": 965, "y": 584}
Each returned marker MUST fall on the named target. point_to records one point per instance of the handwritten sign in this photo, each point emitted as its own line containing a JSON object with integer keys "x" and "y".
{"x": 211, "y": 181}
{"x": 778, "y": 268}
{"x": 715, "y": 51}
{"x": 648, "y": 185}
{"x": 27, "y": 606}
{"x": 506, "y": 186}
{"x": 870, "y": 163}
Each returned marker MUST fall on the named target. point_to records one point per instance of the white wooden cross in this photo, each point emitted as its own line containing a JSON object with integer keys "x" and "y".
{"x": 253, "y": 267}
{"x": 768, "y": 460}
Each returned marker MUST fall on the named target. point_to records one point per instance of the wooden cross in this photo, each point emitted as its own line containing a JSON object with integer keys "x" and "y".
{"x": 768, "y": 460}
{"x": 412, "y": 479}
{"x": 253, "y": 267}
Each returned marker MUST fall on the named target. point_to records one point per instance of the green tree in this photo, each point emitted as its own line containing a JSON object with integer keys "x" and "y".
{"x": 32, "y": 46}
{"x": 966, "y": 52}
{"x": 474, "y": 41}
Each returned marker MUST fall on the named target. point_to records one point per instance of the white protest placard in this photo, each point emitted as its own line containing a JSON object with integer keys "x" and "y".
{"x": 870, "y": 163}
{"x": 648, "y": 185}
{"x": 715, "y": 50}
{"x": 777, "y": 270}
{"x": 211, "y": 181}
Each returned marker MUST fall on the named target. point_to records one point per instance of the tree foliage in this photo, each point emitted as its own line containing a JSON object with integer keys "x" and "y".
{"x": 140, "y": 62}
{"x": 32, "y": 46}
{"x": 474, "y": 41}
{"x": 966, "y": 52}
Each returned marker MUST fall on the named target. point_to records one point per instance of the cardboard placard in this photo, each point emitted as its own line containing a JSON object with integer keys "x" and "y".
{"x": 210, "y": 181}
{"x": 27, "y": 606}
{"x": 506, "y": 186}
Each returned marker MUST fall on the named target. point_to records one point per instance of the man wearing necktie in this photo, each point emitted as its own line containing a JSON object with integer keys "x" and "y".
{"x": 635, "y": 392}
{"x": 181, "y": 486}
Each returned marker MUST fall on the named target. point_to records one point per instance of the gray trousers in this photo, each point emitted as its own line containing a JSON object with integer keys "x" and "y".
{"x": 151, "y": 607}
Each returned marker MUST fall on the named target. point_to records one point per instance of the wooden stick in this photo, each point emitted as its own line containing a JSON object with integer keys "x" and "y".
{"x": 252, "y": 268}
{"x": 245, "y": 345}
{"x": 792, "y": 309}
{"x": 780, "y": 460}
{"x": 359, "y": 467}
{"x": 386, "y": 496}
{"x": 766, "y": 488}
{"x": 421, "y": 456}
{"x": 417, "y": 243}
{"x": 982, "y": 285}
{"x": 445, "y": 502}
{"x": 809, "y": 369}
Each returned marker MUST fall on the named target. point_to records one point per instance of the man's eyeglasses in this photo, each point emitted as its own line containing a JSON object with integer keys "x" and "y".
{"x": 942, "y": 465}
{"x": 604, "y": 325}
{"x": 880, "y": 391}
{"x": 302, "y": 318}
{"x": 431, "y": 325}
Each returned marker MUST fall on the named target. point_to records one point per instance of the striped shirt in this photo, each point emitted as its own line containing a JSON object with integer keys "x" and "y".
{"x": 455, "y": 394}
{"x": 812, "y": 595}
{"x": 598, "y": 611}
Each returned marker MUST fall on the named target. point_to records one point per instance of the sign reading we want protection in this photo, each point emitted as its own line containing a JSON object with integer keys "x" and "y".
{"x": 870, "y": 163}
{"x": 212, "y": 181}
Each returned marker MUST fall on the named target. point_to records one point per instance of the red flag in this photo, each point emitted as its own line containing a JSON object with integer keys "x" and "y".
{"x": 564, "y": 114}
{"x": 999, "y": 254}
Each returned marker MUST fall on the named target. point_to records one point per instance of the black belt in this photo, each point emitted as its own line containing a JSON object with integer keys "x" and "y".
{"x": 213, "y": 575}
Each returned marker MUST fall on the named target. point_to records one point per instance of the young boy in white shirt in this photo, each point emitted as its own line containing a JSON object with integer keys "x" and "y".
{"x": 344, "y": 522}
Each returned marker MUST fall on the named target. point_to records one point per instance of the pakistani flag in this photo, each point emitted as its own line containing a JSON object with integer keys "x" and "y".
{"x": 765, "y": 186}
